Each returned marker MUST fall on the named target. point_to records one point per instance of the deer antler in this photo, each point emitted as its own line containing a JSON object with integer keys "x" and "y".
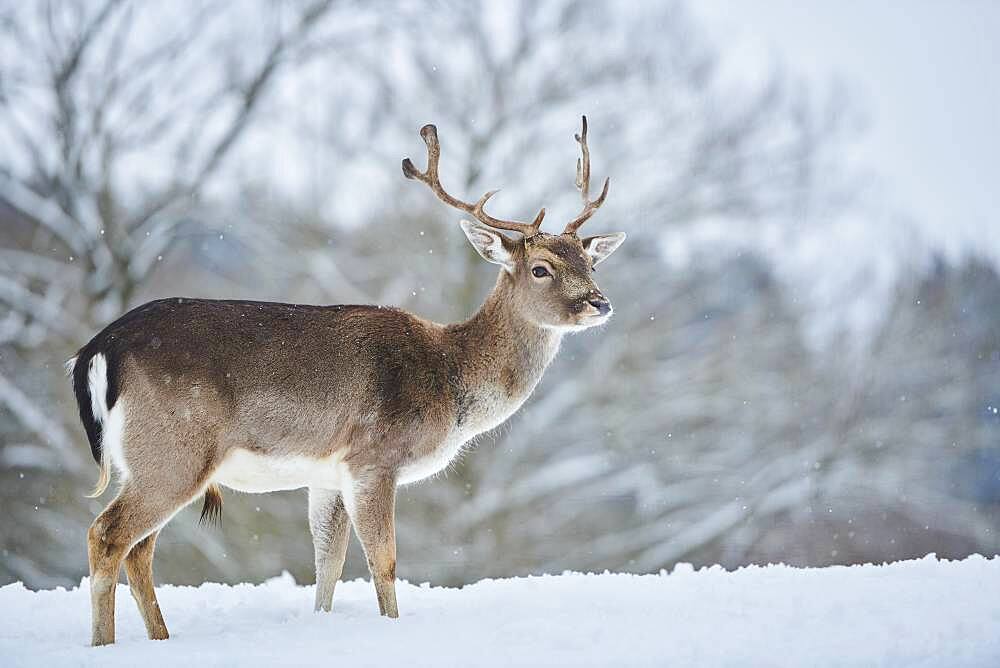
{"x": 430, "y": 177}
{"x": 583, "y": 183}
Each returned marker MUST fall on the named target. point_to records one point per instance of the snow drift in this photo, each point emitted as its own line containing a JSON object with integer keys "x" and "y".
{"x": 923, "y": 612}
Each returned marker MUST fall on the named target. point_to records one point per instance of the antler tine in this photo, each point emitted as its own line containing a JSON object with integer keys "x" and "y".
{"x": 430, "y": 177}
{"x": 583, "y": 165}
{"x": 583, "y": 183}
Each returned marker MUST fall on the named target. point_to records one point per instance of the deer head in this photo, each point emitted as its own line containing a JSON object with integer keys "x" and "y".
{"x": 550, "y": 274}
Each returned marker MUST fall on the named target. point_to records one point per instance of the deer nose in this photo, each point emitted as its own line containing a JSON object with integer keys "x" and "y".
{"x": 602, "y": 305}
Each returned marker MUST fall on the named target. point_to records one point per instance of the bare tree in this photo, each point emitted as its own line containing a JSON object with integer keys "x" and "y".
{"x": 117, "y": 120}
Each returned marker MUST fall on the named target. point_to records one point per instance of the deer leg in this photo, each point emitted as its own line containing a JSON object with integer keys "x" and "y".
{"x": 136, "y": 512}
{"x": 329, "y": 525}
{"x": 371, "y": 506}
{"x": 108, "y": 540}
{"x": 139, "y": 568}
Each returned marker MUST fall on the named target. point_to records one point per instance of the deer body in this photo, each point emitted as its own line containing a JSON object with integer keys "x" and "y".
{"x": 292, "y": 396}
{"x": 181, "y": 396}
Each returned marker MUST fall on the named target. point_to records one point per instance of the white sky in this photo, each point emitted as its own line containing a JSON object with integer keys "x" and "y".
{"x": 927, "y": 74}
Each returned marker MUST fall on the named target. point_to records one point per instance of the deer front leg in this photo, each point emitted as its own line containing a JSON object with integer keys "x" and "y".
{"x": 371, "y": 506}
{"x": 329, "y": 525}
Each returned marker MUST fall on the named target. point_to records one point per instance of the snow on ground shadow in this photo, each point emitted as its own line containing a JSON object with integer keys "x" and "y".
{"x": 923, "y": 612}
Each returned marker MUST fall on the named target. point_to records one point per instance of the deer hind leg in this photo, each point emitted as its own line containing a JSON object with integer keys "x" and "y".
{"x": 108, "y": 541}
{"x": 329, "y": 525}
{"x": 136, "y": 512}
{"x": 139, "y": 568}
{"x": 371, "y": 506}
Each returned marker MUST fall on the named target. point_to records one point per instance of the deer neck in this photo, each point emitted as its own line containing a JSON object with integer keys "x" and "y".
{"x": 499, "y": 348}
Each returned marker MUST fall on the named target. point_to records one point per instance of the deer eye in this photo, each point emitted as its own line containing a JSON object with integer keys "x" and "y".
{"x": 539, "y": 271}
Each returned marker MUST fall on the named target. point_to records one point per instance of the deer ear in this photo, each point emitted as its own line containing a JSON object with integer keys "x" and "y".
{"x": 492, "y": 245}
{"x": 603, "y": 245}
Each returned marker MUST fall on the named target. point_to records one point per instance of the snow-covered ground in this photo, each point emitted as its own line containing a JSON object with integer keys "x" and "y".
{"x": 915, "y": 613}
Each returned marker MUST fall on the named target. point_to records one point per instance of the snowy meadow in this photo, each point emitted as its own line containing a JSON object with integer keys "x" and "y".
{"x": 915, "y": 613}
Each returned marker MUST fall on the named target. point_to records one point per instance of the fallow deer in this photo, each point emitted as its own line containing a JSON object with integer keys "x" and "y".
{"x": 184, "y": 396}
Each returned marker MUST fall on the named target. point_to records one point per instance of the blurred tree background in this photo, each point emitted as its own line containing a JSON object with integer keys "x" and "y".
{"x": 791, "y": 375}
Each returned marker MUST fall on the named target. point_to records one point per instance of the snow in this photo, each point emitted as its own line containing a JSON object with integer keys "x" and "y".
{"x": 913, "y": 613}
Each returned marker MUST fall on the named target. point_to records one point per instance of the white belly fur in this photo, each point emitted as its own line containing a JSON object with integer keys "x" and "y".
{"x": 247, "y": 471}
